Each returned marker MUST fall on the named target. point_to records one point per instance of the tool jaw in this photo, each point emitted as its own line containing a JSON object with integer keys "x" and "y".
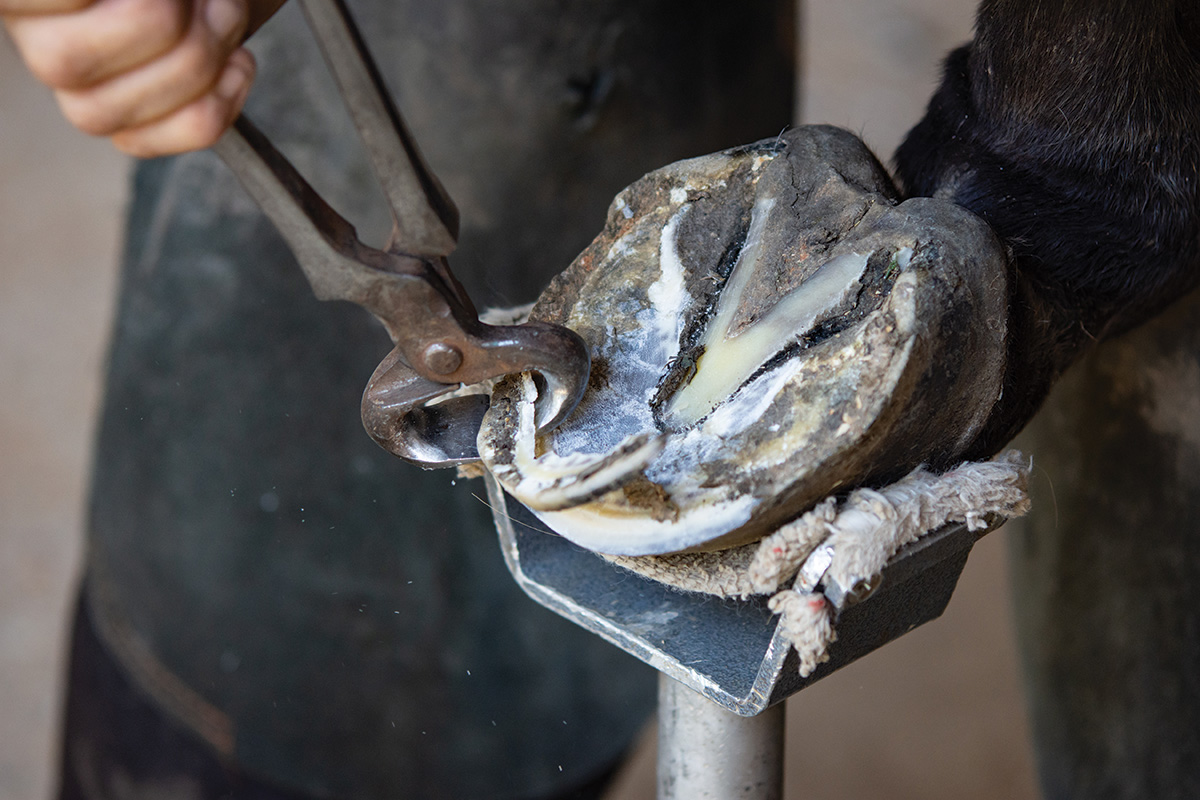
{"x": 440, "y": 344}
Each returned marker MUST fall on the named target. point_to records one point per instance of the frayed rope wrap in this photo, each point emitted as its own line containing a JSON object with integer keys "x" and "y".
{"x": 806, "y": 622}
{"x": 864, "y": 531}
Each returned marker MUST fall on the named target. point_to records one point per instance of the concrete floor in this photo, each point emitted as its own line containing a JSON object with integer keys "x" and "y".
{"x": 935, "y": 715}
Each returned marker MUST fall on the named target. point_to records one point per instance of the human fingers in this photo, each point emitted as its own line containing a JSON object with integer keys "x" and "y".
{"x": 12, "y": 7}
{"x": 162, "y": 86}
{"x": 105, "y": 39}
{"x": 199, "y": 123}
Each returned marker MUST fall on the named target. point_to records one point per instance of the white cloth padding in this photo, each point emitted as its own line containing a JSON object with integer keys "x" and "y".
{"x": 865, "y": 529}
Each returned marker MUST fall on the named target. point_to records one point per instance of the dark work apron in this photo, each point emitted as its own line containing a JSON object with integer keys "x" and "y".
{"x": 322, "y": 614}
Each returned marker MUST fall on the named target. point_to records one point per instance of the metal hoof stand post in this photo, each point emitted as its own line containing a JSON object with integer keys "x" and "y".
{"x": 725, "y": 668}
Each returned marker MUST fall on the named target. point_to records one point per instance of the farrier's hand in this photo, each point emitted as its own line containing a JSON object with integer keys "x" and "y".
{"x": 157, "y": 76}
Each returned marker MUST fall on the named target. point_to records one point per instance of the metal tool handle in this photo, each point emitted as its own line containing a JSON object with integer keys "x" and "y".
{"x": 426, "y": 218}
{"x": 440, "y": 342}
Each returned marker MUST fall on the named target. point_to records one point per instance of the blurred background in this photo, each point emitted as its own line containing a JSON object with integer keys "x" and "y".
{"x": 937, "y": 714}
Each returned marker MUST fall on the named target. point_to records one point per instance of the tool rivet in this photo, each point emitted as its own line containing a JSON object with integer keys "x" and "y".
{"x": 442, "y": 358}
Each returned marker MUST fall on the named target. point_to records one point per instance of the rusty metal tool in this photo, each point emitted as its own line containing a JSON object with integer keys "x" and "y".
{"x": 440, "y": 344}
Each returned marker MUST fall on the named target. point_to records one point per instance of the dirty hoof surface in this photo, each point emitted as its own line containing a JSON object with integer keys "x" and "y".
{"x": 767, "y": 326}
